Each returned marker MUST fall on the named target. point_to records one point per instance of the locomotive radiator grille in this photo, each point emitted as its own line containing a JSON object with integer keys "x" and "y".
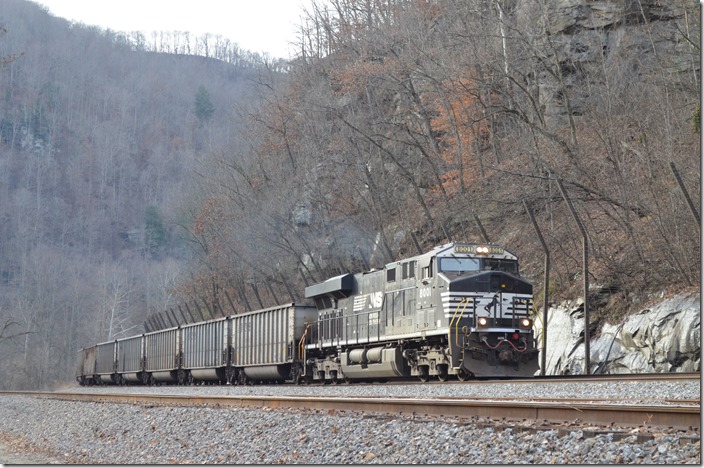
{"x": 496, "y": 305}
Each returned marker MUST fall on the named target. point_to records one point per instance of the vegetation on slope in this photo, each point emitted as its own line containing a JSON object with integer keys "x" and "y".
{"x": 140, "y": 173}
{"x": 439, "y": 120}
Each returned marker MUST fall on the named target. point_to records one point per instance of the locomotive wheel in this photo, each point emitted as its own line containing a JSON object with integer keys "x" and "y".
{"x": 423, "y": 373}
{"x": 442, "y": 373}
{"x": 463, "y": 375}
{"x": 304, "y": 379}
{"x": 347, "y": 380}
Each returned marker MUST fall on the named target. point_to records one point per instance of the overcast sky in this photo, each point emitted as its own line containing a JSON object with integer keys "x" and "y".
{"x": 257, "y": 25}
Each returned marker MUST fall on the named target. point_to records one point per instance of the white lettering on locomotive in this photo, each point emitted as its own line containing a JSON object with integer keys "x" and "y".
{"x": 368, "y": 301}
{"x": 376, "y": 299}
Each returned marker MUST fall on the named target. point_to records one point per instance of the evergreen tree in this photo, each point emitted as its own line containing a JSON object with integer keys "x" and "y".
{"x": 154, "y": 231}
{"x": 204, "y": 105}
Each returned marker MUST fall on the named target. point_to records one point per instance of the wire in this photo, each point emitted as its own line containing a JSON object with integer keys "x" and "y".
{"x": 501, "y": 341}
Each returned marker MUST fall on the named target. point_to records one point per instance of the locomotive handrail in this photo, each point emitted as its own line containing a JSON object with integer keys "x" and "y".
{"x": 534, "y": 312}
{"x": 464, "y": 301}
{"x": 301, "y": 342}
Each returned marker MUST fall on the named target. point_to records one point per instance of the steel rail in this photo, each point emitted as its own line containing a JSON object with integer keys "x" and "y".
{"x": 655, "y": 377}
{"x": 594, "y": 378}
{"x": 547, "y": 379}
{"x": 680, "y": 417}
{"x": 593, "y": 400}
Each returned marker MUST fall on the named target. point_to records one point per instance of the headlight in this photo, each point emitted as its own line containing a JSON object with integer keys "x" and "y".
{"x": 482, "y": 250}
{"x": 482, "y": 321}
{"x": 526, "y": 323}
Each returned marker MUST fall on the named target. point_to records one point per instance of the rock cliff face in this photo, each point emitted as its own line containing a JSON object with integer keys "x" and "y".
{"x": 598, "y": 41}
{"x": 665, "y": 338}
{"x": 591, "y": 52}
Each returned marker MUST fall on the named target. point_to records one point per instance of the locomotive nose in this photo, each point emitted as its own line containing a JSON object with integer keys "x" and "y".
{"x": 491, "y": 281}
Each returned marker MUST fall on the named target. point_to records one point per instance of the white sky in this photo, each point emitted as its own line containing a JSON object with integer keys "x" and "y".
{"x": 256, "y": 25}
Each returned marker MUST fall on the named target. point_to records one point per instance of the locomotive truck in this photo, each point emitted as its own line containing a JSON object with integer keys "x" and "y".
{"x": 461, "y": 309}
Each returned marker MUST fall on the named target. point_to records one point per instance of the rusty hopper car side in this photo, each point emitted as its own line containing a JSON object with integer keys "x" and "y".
{"x": 85, "y": 365}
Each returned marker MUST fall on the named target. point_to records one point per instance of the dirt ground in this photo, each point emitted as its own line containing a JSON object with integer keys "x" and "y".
{"x": 14, "y": 450}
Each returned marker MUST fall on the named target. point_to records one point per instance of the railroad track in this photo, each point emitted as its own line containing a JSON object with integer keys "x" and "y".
{"x": 655, "y": 377}
{"x": 677, "y": 414}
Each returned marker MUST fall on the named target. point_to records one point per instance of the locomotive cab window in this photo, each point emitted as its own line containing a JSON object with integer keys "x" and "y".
{"x": 391, "y": 275}
{"x": 409, "y": 270}
{"x": 427, "y": 271}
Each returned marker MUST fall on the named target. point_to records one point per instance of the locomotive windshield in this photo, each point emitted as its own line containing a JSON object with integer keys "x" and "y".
{"x": 509, "y": 266}
{"x": 464, "y": 265}
{"x": 456, "y": 265}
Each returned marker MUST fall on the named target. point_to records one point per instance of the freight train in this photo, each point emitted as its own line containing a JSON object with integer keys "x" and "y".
{"x": 461, "y": 309}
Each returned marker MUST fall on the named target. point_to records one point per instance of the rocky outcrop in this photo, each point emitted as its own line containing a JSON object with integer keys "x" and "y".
{"x": 665, "y": 338}
{"x": 592, "y": 39}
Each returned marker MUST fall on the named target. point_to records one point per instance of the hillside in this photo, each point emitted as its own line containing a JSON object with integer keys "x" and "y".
{"x": 135, "y": 178}
{"x": 101, "y": 141}
{"x": 439, "y": 120}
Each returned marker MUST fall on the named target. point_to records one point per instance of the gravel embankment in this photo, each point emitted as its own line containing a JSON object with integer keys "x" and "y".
{"x": 92, "y": 433}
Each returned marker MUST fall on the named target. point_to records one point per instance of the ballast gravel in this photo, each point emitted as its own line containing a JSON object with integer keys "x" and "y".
{"x": 638, "y": 391}
{"x": 106, "y": 433}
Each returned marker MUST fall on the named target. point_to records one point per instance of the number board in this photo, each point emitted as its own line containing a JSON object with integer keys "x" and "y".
{"x": 478, "y": 249}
